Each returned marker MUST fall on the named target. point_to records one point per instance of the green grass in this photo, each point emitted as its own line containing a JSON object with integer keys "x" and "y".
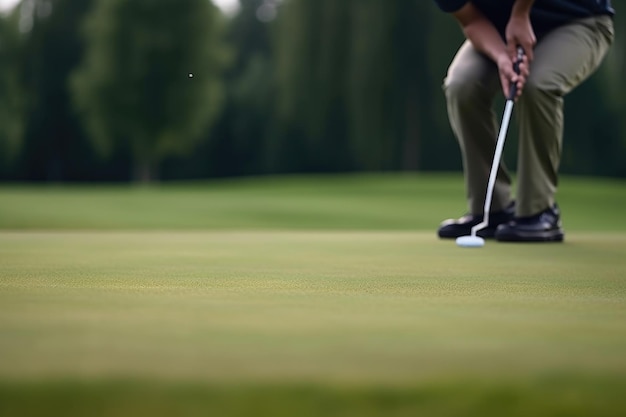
{"x": 350, "y": 202}
{"x": 305, "y": 296}
{"x": 556, "y": 396}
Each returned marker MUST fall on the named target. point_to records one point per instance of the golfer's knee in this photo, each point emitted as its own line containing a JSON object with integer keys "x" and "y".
{"x": 539, "y": 84}
{"x": 461, "y": 90}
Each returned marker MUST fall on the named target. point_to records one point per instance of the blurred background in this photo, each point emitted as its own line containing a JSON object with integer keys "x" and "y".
{"x": 146, "y": 90}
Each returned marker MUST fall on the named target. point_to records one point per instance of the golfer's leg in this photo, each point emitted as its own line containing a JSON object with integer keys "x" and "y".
{"x": 563, "y": 59}
{"x": 470, "y": 87}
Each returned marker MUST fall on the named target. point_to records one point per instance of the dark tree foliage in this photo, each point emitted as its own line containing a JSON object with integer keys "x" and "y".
{"x": 99, "y": 90}
{"x": 150, "y": 79}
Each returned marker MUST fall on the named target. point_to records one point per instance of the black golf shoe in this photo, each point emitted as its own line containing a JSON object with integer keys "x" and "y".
{"x": 542, "y": 227}
{"x": 453, "y": 228}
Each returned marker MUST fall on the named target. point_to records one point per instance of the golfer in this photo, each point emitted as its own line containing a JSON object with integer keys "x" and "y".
{"x": 564, "y": 42}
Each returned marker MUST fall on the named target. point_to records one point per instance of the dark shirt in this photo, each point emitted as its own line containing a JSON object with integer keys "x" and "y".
{"x": 545, "y": 15}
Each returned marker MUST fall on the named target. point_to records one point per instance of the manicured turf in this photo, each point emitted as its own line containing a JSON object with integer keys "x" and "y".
{"x": 132, "y": 310}
{"x": 351, "y": 202}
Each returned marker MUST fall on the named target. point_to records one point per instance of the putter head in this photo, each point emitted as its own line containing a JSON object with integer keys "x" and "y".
{"x": 471, "y": 241}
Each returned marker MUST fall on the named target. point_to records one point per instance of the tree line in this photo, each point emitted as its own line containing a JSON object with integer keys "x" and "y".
{"x": 117, "y": 90}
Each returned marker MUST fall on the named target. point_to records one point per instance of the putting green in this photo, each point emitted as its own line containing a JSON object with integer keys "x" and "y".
{"x": 391, "y": 321}
{"x": 343, "y": 306}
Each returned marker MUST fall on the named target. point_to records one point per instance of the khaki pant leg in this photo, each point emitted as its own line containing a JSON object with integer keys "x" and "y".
{"x": 563, "y": 59}
{"x": 470, "y": 86}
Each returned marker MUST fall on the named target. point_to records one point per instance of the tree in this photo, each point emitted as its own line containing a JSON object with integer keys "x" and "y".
{"x": 615, "y": 84}
{"x": 245, "y": 124}
{"x": 12, "y": 105}
{"x": 312, "y": 82}
{"x": 389, "y": 83}
{"x": 355, "y": 82}
{"x": 47, "y": 48}
{"x": 150, "y": 80}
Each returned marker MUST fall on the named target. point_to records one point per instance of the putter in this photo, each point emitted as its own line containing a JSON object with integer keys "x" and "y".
{"x": 474, "y": 241}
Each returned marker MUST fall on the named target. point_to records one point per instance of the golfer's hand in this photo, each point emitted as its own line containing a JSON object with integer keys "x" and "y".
{"x": 509, "y": 76}
{"x": 520, "y": 32}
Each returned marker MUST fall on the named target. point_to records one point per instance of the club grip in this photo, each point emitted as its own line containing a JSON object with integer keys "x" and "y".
{"x": 516, "y": 64}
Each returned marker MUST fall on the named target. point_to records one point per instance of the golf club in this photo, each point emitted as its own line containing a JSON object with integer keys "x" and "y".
{"x": 474, "y": 241}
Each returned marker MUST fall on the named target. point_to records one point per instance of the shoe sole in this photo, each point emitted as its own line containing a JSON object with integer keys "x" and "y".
{"x": 520, "y": 236}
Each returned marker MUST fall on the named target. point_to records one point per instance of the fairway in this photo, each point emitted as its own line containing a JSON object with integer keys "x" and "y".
{"x": 375, "y": 316}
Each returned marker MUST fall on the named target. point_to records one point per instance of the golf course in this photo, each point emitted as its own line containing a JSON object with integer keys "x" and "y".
{"x": 324, "y": 295}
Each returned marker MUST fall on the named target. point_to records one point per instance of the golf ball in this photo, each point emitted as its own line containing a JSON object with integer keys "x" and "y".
{"x": 190, "y": 75}
{"x": 470, "y": 242}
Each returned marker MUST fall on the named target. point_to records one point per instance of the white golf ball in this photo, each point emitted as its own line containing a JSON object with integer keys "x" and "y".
{"x": 190, "y": 75}
{"x": 470, "y": 242}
